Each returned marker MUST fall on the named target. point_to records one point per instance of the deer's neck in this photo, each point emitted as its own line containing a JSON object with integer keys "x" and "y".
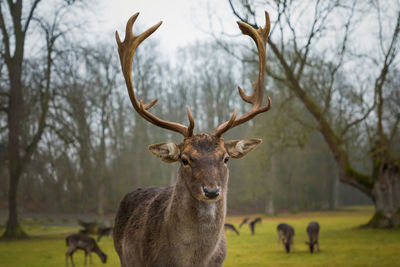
{"x": 97, "y": 250}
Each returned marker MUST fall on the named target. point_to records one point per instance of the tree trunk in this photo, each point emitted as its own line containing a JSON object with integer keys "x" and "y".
{"x": 333, "y": 191}
{"x": 269, "y": 198}
{"x": 336, "y": 201}
{"x": 13, "y": 229}
{"x": 100, "y": 199}
{"x": 269, "y": 204}
{"x": 386, "y": 196}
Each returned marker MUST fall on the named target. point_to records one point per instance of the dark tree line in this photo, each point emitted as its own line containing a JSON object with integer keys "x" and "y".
{"x": 71, "y": 142}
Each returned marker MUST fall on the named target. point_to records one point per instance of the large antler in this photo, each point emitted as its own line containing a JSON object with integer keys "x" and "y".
{"x": 126, "y": 50}
{"x": 260, "y": 37}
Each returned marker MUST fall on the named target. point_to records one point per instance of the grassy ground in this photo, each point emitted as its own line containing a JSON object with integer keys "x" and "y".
{"x": 342, "y": 243}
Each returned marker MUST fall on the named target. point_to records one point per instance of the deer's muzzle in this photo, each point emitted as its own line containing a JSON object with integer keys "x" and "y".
{"x": 211, "y": 193}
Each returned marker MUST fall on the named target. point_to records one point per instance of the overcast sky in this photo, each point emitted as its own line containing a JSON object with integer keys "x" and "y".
{"x": 183, "y": 21}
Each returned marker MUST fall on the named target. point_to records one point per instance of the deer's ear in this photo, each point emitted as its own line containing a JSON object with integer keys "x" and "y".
{"x": 238, "y": 148}
{"x": 168, "y": 152}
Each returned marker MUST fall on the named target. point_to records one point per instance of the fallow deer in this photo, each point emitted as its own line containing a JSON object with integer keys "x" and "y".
{"x": 313, "y": 233}
{"x": 285, "y": 234}
{"x": 253, "y": 223}
{"x": 85, "y": 243}
{"x": 245, "y": 220}
{"x": 183, "y": 224}
{"x": 229, "y": 226}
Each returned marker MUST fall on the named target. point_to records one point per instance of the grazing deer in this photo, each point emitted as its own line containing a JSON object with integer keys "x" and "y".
{"x": 86, "y": 243}
{"x": 231, "y": 227}
{"x": 183, "y": 224}
{"x": 252, "y": 224}
{"x": 313, "y": 233}
{"x": 285, "y": 234}
{"x": 245, "y": 220}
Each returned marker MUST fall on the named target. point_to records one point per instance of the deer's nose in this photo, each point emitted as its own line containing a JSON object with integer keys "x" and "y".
{"x": 211, "y": 193}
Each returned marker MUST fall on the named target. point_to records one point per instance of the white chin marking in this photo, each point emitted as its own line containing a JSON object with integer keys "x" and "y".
{"x": 209, "y": 210}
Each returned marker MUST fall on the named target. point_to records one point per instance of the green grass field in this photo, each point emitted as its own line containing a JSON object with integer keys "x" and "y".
{"x": 342, "y": 243}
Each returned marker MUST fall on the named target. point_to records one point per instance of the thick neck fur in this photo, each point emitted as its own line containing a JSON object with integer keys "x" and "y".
{"x": 196, "y": 224}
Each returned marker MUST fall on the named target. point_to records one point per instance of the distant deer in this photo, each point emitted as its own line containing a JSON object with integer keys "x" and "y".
{"x": 245, "y": 220}
{"x": 252, "y": 224}
{"x": 83, "y": 242}
{"x": 285, "y": 234}
{"x": 313, "y": 233}
{"x": 103, "y": 232}
{"x": 88, "y": 227}
{"x": 231, "y": 227}
{"x": 183, "y": 224}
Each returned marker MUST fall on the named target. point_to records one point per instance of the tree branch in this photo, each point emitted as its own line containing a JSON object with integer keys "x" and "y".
{"x": 239, "y": 17}
{"x": 357, "y": 121}
{"x": 348, "y": 174}
{"x": 6, "y": 38}
{"x": 5, "y": 94}
{"x": 363, "y": 182}
{"x": 395, "y": 128}
{"x": 380, "y": 81}
{"x": 28, "y": 19}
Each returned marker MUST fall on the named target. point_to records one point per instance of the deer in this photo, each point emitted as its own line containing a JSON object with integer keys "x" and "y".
{"x": 253, "y": 223}
{"x": 285, "y": 234}
{"x": 83, "y": 242}
{"x": 183, "y": 224}
{"x": 245, "y": 220}
{"x": 313, "y": 233}
{"x": 229, "y": 226}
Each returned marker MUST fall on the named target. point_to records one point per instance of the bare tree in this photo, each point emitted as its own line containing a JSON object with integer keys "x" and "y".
{"x": 15, "y": 21}
{"x": 347, "y": 110}
{"x": 102, "y": 68}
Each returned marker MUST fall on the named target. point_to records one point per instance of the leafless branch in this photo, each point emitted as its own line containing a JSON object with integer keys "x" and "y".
{"x": 29, "y": 18}
{"x": 390, "y": 55}
{"x": 395, "y": 128}
{"x": 6, "y": 38}
{"x": 357, "y": 121}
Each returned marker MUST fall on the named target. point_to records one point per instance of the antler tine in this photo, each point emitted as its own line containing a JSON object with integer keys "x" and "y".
{"x": 260, "y": 37}
{"x": 126, "y": 51}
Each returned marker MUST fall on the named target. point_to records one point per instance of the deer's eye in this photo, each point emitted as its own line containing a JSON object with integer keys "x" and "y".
{"x": 185, "y": 161}
{"x": 226, "y": 159}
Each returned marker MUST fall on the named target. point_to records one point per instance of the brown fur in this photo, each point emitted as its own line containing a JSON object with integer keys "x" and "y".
{"x": 231, "y": 227}
{"x": 313, "y": 233}
{"x": 83, "y": 242}
{"x": 253, "y": 223}
{"x": 177, "y": 225}
{"x": 285, "y": 234}
{"x": 245, "y": 220}
{"x": 182, "y": 225}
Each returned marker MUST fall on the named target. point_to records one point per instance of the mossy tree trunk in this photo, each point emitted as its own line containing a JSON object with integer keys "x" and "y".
{"x": 386, "y": 196}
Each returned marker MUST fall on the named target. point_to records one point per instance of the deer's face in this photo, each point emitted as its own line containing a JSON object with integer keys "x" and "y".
{"x": 103, "y": 257}
{"x": 204, "y": 166}
{"x": 204, "y": 162}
